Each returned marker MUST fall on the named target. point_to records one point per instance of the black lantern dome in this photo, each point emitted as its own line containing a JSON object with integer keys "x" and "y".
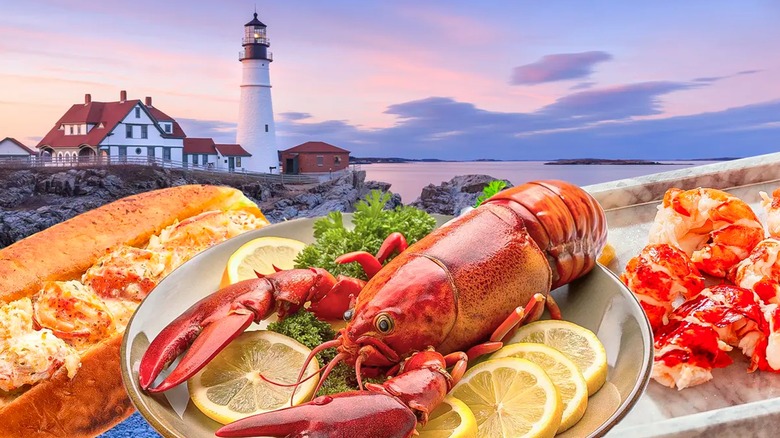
{"x": 255, "y": 41}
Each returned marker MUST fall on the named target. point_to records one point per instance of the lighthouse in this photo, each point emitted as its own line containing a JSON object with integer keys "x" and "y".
{"x": 256, "y": 132}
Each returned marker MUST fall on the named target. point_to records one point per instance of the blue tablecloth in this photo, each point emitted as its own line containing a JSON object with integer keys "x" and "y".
{"x": 133, "y": 427}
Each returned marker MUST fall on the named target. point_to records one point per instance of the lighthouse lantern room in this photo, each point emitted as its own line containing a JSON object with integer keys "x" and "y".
{"x": 256, "y": 132}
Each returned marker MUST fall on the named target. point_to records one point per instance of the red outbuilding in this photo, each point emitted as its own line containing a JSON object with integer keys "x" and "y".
{"x": 314, "y": 157}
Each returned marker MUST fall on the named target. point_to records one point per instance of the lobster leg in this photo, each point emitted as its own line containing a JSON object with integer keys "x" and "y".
{"x": 373, "y": 264}
{"x": 520, "y": 316}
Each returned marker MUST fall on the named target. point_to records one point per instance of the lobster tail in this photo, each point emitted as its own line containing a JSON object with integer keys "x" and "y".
{"x": 564, "y": 221}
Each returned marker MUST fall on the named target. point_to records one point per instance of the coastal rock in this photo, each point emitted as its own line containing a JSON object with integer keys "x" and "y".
{"x": 339, "y": 194}
{"x": 34, "y": 199}
{"x": 450, "y": 197}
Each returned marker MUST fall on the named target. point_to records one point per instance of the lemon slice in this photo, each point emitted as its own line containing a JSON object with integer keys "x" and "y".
{"x": 451, "y": 419}
{"x": 575, "y": 342}
{"x": 262, "y": 255}
{"x": 563, "y": 372}
{"x": 230, "y": 387}
{"x": 511, "y": 398}
{"x": 607, "y": 254}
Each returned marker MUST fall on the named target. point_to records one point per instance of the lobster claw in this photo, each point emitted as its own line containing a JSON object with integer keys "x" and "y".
{"x": 211, "y": 323}
{"x": 350, "y": 414}
{"x": 391, "y": 409}
{"x": 335, "y": 302}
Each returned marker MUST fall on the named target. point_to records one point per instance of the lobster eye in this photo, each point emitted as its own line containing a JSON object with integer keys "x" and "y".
{"x": 384, "y": 323}
{"x": 348, "y": 315}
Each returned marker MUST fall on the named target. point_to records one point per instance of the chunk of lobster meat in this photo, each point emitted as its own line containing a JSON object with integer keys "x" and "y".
{"x": 661, "y": 277}
{"x": 185, "y": 239}
{"x": 766, "y": 356}
{"x": 720, "y": 317}
{"x": 714, "y": 228}
{"x": 28, "y": 356}
{"x": 772, "y": 207}
{"x": 733, "y": 312}
{"x": 73, "y": 312}
{"x": 761, "y": 271}
{"x": 686, "y": 352}
{"x": 127, "y": 273}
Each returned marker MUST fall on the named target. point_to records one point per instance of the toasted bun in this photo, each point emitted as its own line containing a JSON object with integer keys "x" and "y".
{"x": 87, "y": 405}
{"x": 95, "y": 399}
{"x": 64, "y": 251}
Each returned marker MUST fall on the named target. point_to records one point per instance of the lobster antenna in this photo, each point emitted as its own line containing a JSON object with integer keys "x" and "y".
{"x": 358, "y": 365}
{"x": 312, "y": 355}
{"x": 288, "y": 385}
{"x": 336, "y": 360}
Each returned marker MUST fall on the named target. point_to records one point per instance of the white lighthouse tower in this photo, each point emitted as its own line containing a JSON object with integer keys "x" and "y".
{"x": 256, "y": 132}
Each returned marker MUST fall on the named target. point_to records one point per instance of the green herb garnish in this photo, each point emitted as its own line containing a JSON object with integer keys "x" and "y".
{"x": 491, "y": 189}
{"x": 372, "y": 224}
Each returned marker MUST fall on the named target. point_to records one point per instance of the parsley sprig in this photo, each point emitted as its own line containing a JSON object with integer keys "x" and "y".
{"x": 491, "y": 189}
{"x": 372, "y": 223}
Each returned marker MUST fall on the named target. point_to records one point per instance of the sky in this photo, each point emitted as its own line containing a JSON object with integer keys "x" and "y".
{"x": 462, "y": 80}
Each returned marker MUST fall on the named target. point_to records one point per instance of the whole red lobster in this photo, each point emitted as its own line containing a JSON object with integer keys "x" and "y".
{"x": 463, "y": 287}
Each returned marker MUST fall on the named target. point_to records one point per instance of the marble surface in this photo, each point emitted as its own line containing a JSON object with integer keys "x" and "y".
{"x": 734, "y": 403}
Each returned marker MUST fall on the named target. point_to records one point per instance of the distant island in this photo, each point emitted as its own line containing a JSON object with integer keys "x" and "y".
{"x": 563, "y": 161}
{"x": 603, "y": 161}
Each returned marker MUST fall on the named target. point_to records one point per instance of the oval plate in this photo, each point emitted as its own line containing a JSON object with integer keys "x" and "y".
{"x": 598, "y": 301}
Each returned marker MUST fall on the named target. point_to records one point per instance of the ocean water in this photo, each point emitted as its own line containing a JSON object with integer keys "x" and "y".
{"x": 408, "y": 179}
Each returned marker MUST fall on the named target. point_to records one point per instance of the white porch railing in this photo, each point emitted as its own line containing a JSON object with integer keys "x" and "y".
{"x": 81, "y": 162}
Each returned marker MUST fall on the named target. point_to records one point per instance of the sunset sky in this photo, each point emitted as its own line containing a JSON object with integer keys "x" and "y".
{"x": 418, "y": 79}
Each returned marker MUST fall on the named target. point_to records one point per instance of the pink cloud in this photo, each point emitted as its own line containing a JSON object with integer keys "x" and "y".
{"x": 558, "y": 67}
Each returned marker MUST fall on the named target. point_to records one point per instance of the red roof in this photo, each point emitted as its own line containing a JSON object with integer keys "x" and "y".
{"x": 194, "y": 145}
{"x": 177, "y": 132}
{"x": 107, "y": 113}
{"x": 232, "y": 150}
{"x": 317, "y": 147}
{"x": 18, "y": 143}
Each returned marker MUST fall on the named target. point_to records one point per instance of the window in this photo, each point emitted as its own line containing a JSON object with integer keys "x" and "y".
{"x": 205, "y": 159}
{"x": 195, "y": 160}
{"x": 128, "y": 131}
{"x": 78, "y": 129}
{"x": 266, "y": 128}
{"x": 336, "y": 160}
{"x": 320, "y": 160}
{"x": 150, "y": 152}
{"x": 144, "y": 131}
{"x": 123, "y": 151}
{"x": 71, "y": 129}
{"x": 166, "y": 154}
{"x": 138, "y": 112}
{"x": 167, "y": 128}
{"x": 138, "y": 151}
{"x": 238, "y": 161}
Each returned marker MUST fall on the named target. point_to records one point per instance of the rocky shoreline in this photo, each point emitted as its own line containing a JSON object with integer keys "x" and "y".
{"x": 34, "y": 199}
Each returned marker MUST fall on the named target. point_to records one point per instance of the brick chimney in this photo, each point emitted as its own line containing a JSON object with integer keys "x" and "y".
{"x": 148, "y": 101}
{"x": 122, "y": 96}
{"x": 87, "y": 99}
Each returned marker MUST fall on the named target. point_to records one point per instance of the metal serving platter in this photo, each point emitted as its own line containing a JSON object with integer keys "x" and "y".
{"x": 598, "y": 301}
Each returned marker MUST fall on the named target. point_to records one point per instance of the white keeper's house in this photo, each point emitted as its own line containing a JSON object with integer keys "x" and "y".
{"x": 129, "y": 130}
{"x": 132, "y": 131}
